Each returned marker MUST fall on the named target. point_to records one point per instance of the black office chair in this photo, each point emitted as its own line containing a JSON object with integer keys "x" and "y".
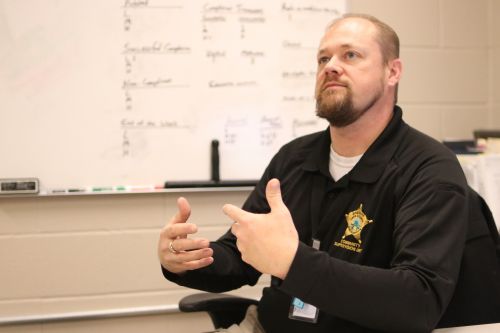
{"x": 223, "y": 309}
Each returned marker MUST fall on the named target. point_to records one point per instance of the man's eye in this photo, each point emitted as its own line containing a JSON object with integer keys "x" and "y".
{"x": 350, "y": 55}
{"x": 323, "y": 60}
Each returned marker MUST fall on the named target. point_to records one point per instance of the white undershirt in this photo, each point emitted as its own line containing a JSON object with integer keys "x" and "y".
{"x": 340, "y": 165}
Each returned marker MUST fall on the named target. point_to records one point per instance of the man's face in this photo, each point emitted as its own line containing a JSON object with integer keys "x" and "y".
{"x": 351, "y": 74}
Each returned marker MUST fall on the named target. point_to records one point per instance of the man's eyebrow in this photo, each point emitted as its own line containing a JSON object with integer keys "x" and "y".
{"x": 342, "y": 46}
{"x": 347, "y": 46}
{"x": 321, "y": 51}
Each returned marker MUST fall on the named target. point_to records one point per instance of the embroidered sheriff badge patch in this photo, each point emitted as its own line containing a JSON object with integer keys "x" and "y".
{"x": 356, "y": 221}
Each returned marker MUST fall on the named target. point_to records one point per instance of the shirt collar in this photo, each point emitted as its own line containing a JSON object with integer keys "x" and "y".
{"x": 374, "y": 160}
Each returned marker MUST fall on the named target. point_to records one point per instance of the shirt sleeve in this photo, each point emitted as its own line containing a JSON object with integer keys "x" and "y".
{"x": 410, "y": 296}
{"x": 227, "y": 272}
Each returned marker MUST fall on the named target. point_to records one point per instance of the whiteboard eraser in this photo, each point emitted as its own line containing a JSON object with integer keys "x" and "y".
{"x": 19, "y": 186}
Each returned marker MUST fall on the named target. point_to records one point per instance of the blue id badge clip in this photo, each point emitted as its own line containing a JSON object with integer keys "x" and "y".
{"x": 303, "y": 311}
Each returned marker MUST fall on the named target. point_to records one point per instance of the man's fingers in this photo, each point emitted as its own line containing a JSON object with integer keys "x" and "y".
{"x": 183, "y": 212}
{"x": 186, "y": 244}
{"x": 196, "y": 264}
{"x": 179, "y": 230}
{"x": 177, "y": 226}
{"x": 176, "y": 252}
{"x": 186, "y": 256}
{"x": 189, "y": 260}
{"x": 235, "y": 213}
{"x": 273, "y": 194}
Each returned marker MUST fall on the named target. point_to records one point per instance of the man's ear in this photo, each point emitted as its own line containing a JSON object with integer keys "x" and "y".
{"x": 394, "y": 68}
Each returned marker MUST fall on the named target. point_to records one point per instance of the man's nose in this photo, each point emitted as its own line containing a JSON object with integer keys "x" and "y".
{"x": 334, "y": 67}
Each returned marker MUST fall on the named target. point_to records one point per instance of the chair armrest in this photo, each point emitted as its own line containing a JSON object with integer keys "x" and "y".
{"x": 223, "y": 309}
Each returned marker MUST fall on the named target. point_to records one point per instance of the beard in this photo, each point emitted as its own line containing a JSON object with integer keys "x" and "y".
{"x": 337, "y": 108}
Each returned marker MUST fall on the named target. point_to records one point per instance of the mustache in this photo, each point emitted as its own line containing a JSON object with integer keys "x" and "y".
{"x": 330, "y": 83}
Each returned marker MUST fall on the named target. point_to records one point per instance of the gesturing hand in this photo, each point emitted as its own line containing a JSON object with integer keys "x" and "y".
{"x": 177, "y": 252}
{"x": 267, "y": 242}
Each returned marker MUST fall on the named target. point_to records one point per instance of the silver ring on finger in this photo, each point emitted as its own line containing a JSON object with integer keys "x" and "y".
{"x": 171, "y": 247}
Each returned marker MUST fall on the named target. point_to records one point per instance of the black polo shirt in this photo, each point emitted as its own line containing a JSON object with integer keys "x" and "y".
{"x": 405, "y": 246}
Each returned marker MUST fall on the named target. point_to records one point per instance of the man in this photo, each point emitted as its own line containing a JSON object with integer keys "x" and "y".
{"x": 366, "y": 227}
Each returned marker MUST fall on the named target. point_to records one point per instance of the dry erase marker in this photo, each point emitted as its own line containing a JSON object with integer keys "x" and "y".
{"x": 102, "y": 189}
{"x": 58, "y": 191}
{"x": 76, "y": 190}
{"x": 134, "y": 188}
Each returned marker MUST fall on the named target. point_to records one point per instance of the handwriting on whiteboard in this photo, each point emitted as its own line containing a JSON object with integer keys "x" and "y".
{"x": 237, "y": 68}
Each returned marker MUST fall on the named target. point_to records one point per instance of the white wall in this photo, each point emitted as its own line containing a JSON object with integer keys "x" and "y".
{"x": 450, "y": 56}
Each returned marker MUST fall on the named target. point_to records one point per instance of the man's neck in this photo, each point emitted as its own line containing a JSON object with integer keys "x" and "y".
{"x": 355, "y": 139}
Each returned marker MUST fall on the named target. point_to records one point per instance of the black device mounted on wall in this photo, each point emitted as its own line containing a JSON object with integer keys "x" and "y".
{"x": 19, "y": 186}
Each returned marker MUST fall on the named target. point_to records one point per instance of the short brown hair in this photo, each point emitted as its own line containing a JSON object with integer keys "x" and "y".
{"x": 387, "y": 38}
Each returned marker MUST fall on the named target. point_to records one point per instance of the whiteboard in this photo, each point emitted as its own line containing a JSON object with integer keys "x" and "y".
{"x": 132, "y": 92}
